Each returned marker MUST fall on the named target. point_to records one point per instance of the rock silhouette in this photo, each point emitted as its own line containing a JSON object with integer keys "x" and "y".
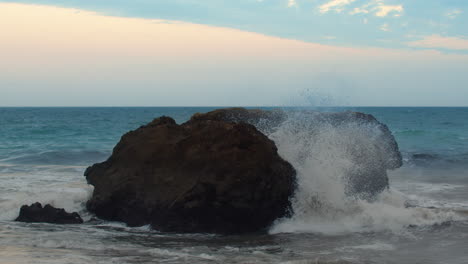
{"x": 35, "y": 213}
{"x": 205, "y": 175}
{"x": 220, "y": 173}
{"x": 369, "y": 179}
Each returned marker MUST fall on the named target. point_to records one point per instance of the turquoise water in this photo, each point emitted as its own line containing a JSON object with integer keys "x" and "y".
{"x": 44, "y": 152}
{"x": 437, "y": 131}
{"x": 27, "y": 132}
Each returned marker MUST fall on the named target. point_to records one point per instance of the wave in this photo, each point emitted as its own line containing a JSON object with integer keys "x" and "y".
{"x": 436, "y": 160}
{"x": 58, "y": 157}
{"x": 324, "y": 155}
{"x": 70, "y": 196}
{"x": 411, "y": 132}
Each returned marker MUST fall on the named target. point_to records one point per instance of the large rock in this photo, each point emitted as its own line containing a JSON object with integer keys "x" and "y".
{"x": 207, "y": 175}
{"x": 218, "y": 172}
{"x": 371, "y": 147}
{"x": 263, "y": 120}
{"x": 35, "y": 213}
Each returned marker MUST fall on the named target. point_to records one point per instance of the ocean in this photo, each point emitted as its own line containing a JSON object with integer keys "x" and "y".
{"x": 422, "y": 218}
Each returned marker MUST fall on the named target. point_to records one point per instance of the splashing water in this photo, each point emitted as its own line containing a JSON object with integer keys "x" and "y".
{"x": 342, "y": 185}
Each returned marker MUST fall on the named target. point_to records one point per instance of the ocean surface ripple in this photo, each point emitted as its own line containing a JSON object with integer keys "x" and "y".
{"x": 421, "y": 218}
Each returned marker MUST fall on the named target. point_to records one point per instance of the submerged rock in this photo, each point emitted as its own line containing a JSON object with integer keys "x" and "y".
{"x": 35, "y": 213}
{"x": 206, "y": 175}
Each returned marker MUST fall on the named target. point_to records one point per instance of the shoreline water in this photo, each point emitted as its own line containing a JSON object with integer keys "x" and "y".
{"x": 33, "y": 168}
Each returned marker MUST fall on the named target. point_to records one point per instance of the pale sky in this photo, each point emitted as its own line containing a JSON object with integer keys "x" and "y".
{"x": 228, "y": 53}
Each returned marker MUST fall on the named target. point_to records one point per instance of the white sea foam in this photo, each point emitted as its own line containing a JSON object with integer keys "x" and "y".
{"x": 323, "y": 155}
{"x": 70, "y": 195}
{"x": 421, "y": 187}
{"x": 378, "y": 246}
{"x": 321, "y": 261}
{"x": 177, "y": 254}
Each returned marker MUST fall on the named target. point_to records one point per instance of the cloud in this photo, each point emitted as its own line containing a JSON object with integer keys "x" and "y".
{"x": 358, "y": 10}
{"x": 379, "y": 9}
{"x": 91, "y": 59}
{"x": 292, "y": 3}
{"x": 384, "y": 10}
{"x": 441, "y": 42}
{"x": 385, "y": 27}
{"x": 454, "y": 13}
{"x": 334, "y": 5}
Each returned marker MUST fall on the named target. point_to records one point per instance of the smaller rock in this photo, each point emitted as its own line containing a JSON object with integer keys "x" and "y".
{"x": 35, "y": 213}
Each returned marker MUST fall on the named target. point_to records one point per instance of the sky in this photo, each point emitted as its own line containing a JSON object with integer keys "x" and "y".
{"x": 234, "y": 53}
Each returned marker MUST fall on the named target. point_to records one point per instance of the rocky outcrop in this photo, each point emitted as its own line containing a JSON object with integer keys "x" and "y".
{"x": 371, "y": 158}
{"x": 206, "y": 175}
{"x": 269, "y": 121}
{"x": 35, "y": 213}
{"x": 264, "y": 120}
{"x": 219, "y": 172}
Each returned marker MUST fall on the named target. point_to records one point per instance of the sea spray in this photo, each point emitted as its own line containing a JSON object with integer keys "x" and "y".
{"x": 55, "y": 185}
{"x": 341, "y": 177}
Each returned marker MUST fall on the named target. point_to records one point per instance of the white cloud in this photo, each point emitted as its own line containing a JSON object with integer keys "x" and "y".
{"x": 334, "y": 5}
{"x": 454, "y": 13}
{"x": 358, "y": 10}
{"x": 384, "y": 10}
{"x": 385, "y": 27}
{"x": 379, "y": 9}
{"x": 329, "y": 37}
{"x": 292, "y": 3}
{"x": 441, "y": 42}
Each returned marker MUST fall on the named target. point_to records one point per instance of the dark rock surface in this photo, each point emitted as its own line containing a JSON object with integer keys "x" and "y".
{"x": 206, "y": 175}
{"x": 372, "y": 158}
{"x": 268, "y": 121}
{"x": 220, "y": 173}
{"x": 265, "y": 121}
{"x": 35, "y": 213}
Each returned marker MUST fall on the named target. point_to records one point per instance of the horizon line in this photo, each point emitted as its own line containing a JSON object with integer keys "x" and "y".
{"x": 245, "y": 106}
